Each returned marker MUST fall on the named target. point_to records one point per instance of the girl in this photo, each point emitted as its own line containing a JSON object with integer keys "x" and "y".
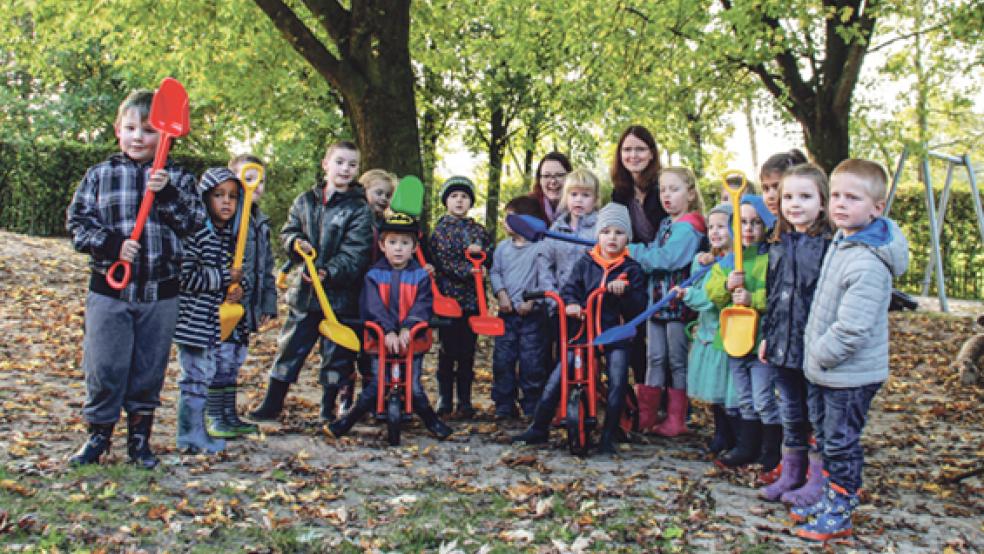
{"x": 548, "y": 185}
{"x": 772, "y": 171}
{"x": 667, "y": 259}
{"x": 708, "y": 377}
{"x": 797, "y": 249}
{"x": 578, "y": 216}
{"x": 752, "y": 379}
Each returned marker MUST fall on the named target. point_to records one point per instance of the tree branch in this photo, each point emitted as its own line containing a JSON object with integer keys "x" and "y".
{"x": 333, "y": 18}
{"x": 906, "y": 36}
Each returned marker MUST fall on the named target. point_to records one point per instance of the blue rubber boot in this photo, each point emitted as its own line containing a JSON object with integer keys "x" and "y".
{"x": 835, "y": 521}
{"x": 192, "y": 437}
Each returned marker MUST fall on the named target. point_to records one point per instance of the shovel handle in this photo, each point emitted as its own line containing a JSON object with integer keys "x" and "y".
{"x": 249, "y": 185}
{"x": 477, "y": 259}
{"x": 734, "y": 194}
{"x": 319, "y": 291}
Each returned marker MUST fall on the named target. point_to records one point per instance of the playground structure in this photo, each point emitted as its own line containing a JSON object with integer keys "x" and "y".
{"x": 936, "y": 218}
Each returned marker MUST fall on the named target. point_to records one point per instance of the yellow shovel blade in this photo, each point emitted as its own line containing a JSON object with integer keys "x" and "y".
{"x": 339, "y": 334}
{"x": 229, "y": 316}
{"x": 739, "y": 326}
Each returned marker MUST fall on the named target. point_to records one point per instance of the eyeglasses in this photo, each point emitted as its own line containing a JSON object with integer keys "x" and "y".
{"x": 553, "y": 176}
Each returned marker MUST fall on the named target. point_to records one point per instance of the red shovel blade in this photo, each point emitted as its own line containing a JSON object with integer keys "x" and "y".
{"x": 445, "y": 306}
{"x": 169, "y": 109}
{"x": 487, "y": 325}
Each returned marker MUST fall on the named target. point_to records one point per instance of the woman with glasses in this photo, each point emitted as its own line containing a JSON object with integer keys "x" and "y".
{"x": 548, "y": 185}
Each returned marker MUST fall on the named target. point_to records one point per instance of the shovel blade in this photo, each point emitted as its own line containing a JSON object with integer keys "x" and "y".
{"x": 169, "y": 109}
{"x": 340, "y": 334}
{"x": 446, "y": 307}
{"x": 408, "y": 198}
{"x": 615, "y": 334}
{"x": 739, "y": 327}
{"x": 229, "y": 316}
{"x": 527, "y": 226}
{"x": 487, "y": 325}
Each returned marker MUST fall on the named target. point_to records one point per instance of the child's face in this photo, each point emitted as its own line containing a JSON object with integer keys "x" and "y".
{"x": 674, "y": 193}
{"x": 552, "y": 179}
{"x": 752, "y": 228}
{"x": 635, "y": 154}
{"x": 223, "y": 200}
{"x": 341, "y": 166}
{"x": 250, "y": 175}
{"x": 398, "y": 248}
{"x": 459, "y": 203}
{"x": 770, "y": 190}
{"x": 851, "y": 206}
{"x": 379, "y": 194}
{"x": 580, "y": 201}
{"x": 137, "y": 138}
{"x": 801, "y": 203}
{"x": 717, "y": 231}
{"x": 612, "y": 241}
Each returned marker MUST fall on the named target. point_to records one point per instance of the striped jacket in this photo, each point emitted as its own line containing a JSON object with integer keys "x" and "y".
{"x": 397, "y": 299}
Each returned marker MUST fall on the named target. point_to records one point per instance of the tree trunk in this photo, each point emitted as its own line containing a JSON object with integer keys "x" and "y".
{"x": 497, "y": 146}
{"x": 828, "y": 137}
{"x": 750, "y": 119}
{"x": 697, "y": 143}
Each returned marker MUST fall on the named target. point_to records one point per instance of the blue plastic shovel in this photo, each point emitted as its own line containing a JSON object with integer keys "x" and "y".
{"x": 534, "y": 229}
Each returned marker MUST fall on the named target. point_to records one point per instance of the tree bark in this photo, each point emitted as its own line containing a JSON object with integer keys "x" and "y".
{"x": 498, "y": 139}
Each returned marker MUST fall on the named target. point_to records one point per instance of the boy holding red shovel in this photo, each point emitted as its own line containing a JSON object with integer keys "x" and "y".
{"x": 128, "y": 331}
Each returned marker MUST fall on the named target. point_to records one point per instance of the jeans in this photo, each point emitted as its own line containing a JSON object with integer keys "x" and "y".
{"x": 794, "y": 414}
{"x": 618, "y": 384}
{"x": 838, "y": 417}
{"x": 124, "y": 354}
{"x": 525, "y": 342}
{"x": 668, "y": 349}
{"x": 229, "y": 357}
{"x": 755, "y": 386}
{"x": 455, "y": 362}
{"x": 297, "y": 339}
{"x": 367, "y": 398}
{"x": 197, "y": 370}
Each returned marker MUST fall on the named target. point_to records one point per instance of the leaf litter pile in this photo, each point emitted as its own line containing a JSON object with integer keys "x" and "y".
{"x": 294, "y": 489}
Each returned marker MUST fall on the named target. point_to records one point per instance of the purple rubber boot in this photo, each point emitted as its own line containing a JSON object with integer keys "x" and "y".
{"x": 812, "y": 491}
{"x": 793, "y": 475}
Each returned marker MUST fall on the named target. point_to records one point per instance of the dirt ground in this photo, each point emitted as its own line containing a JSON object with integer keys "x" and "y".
{"x": 293, "y": 488}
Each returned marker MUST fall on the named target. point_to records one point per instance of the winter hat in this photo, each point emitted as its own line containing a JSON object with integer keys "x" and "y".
{"x": 764, "y": 214}
{"x": 215, "y": 176}
{"x": 614, "y": 215}
{"x": 399, "y": 223}
{"x": 458, "y": 182}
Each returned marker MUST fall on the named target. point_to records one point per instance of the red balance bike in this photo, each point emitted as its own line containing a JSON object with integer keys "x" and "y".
{"x": 580, "y": 385}
{"x": 394, "y": 380}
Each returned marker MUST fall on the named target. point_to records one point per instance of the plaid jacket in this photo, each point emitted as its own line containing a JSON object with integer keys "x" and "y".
{"x": 104, "y": 210}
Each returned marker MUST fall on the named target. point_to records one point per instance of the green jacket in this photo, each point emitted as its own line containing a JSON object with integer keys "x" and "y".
{"x": 756, "y": 266}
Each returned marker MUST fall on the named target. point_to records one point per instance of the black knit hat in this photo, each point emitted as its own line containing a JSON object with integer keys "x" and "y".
{"x": 399, "y": 223}
{"x": 458, "y": 182}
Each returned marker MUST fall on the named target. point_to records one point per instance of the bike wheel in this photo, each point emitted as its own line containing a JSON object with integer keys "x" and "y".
{"x": 394, "y": 418}
{"x": 578, "y": 432}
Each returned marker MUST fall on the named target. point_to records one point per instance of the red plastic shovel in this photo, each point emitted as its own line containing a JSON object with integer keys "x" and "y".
{"x": 483, "y": 323}
{"x": 169, "y": 115}
{"x": 444, "y": 306}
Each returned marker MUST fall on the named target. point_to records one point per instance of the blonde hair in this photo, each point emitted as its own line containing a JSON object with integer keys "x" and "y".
{"x": 377, "y": 175}
{"x": 686, "y": 175}
{"x": 815, "y": 174}
{"x": 580, "y": 179}
{"x": 872, "y": 176}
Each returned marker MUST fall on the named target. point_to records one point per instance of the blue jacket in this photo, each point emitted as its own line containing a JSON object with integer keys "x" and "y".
{"x": 615, "y": 310}
{"x": 667, "y": 261}
{"x": 397, "y": 299}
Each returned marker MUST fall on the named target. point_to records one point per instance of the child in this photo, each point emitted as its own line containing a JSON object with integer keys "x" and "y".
{"x": 708, "y": 376}
{"x": 205, "y": 278}
{"x": 519, "y": 266}
{"x": 846, "y": 339}
{"x": 335, "y": 221}
{"x": 667, "y": 260}
{"x": 759, "y": 431}
{"x": 396, "y": 296}
{"x": 603, "y": 266}
{"x": 455, "y": 232}
{"x": 796, "y": 251}
{"x": 380, "y": 186}
{"x": 771, "y": 173}
{"x": 260, "y": 305}
{"x": 128, "y": 332}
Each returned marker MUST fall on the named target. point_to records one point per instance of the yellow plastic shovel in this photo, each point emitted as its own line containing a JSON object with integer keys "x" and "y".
{"x": 330, "y": 327}
{"x": 230, "y": 313}
{"x": 739, "y": 324}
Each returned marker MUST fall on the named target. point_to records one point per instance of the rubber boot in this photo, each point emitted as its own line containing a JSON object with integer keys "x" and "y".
{"x": 138, "y": 427}
{"x": 793, "y": 475}
{"x": 811, "y": 492}
{"x": 445, "y": 385}
{"x": 831, "y": 517}
{"x": 609, "y": 432}
{"x": 215, "y": 415}
{"x": 650, "y": 399}
{"x": 748, "y": 447}
{"x": 232, "y": 417}
{"x": 328, "y": 395}
{"x": 273, "y": 402}
{"x": 539, "y": 430}
{"x": 734, "y": 427}
{"x": 676, "y": 414}
{"x": 192, "y": 438}
{"x": 769, "y": 455}
{"x": 431, "y": 421}
{"x": 463, "y": 381}
{"x": 722, "y": 428}
{"x": 98, "y": 443}
{"x": 341, "y": 426}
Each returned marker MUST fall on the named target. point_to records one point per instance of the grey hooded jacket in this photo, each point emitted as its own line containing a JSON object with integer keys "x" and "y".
{"x": 847, "y": 332}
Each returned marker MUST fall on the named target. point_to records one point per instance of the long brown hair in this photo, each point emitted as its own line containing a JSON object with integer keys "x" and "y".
{"x": 621, "y": 178}
{"x": 815, "y": 174}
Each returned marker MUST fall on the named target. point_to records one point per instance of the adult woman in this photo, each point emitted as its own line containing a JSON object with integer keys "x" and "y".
{"x": 635, "y": 180}
{"x": 549, "y": 184}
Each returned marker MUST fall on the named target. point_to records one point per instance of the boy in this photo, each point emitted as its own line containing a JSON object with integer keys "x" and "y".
{"x": 260, "y": 304}
{"x": 519, "y": 266}
{"x": 334, "y": 220}
{"x": 396, "y": 296}
{"x": 606, "y": 265}
{"x": 847, "y": 337}
{"x": 455, "y": 232}
{"x": 205, "y": 279}
{"x": 128, "y": 332}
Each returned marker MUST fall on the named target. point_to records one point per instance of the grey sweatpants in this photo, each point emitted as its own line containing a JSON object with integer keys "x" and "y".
{"x": 124, "y": 355}
{"x": 668, "y": 349}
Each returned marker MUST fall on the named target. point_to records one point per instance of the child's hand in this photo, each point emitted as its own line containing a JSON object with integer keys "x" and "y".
{"x": 705, "y": 258}
{"x": 304, "y": 245}
{"x": 321, "y": 276}
{"x": 392, "y": 342}
{"x": 524, "y": 308}
{"x": 265, "y": 319}
{"x": 129, "y": 250}
{"x": 234, "y": 296}
{"x": 474, "y": 248}
{"x": 505, "y": 304}
{"x": 741, "y": 297}
{"x": 404, "y": 339}
{"x": 157, "y": 181}
{"x": 236, "y": 275}
{"x": 429, "y": 269}
{"x": 617, "y": 287}
{"x": 680, "y": 292}
{"x": 736, "y": 280}
{"x": 573, "y": 310}
{"x": 762, "y": 352}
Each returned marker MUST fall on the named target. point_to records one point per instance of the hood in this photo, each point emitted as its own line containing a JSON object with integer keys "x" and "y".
{"x": 213, "y": 177}
{"x": 883, "y": 237}
{"x": 764, "y": 214}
